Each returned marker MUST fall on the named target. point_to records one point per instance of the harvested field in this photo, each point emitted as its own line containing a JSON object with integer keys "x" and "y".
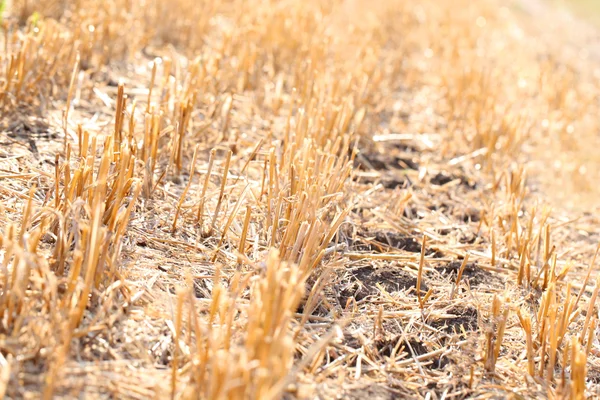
{"x": 274, "y": 199}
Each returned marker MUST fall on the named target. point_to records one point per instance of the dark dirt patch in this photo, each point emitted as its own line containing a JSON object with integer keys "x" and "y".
{"x": 443, "y": 231}
{"x": 381, "y": 161}
{"x": 398, "y": 241}
{"x": 397, "y": 181}
{"x": 351, "y": 341}
{"x": 469, "y": 214}
{"x": 472, "y": 272}
{"x": 385, "y": 162}
{"x": 594, "y": 375}
{"x": 465, "y": 318}
{"x": 439, "y": 363}
{"x": 443, "y": 178}
{"x": 386, "y": 346}
{"x": 381, "y": 241}
{"x": 366, "y": 279}
{"x": 442, "y": 208}
{"x": 412, "y": 213}
{"x": 402, "y": 242}
{"x": 467, "y": 238}
{"x": 201, "y": 289}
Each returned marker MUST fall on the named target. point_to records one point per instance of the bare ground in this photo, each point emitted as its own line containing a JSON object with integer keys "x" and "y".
{"x": 399, "y": 159}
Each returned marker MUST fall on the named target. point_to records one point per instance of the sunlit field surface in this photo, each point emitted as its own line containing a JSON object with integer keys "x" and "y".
{"x": 274, "y": 199}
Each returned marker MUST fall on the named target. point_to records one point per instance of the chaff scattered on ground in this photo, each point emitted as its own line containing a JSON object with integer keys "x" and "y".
{"x": 266, "y": 199}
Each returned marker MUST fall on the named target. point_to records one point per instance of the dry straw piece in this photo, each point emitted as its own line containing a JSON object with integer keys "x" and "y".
{"x": 282, "y": 199}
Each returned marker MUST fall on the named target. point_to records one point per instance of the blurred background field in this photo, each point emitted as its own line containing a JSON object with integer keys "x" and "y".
{"x": 585, "y": 8}
{"x": 299, "y": 199}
